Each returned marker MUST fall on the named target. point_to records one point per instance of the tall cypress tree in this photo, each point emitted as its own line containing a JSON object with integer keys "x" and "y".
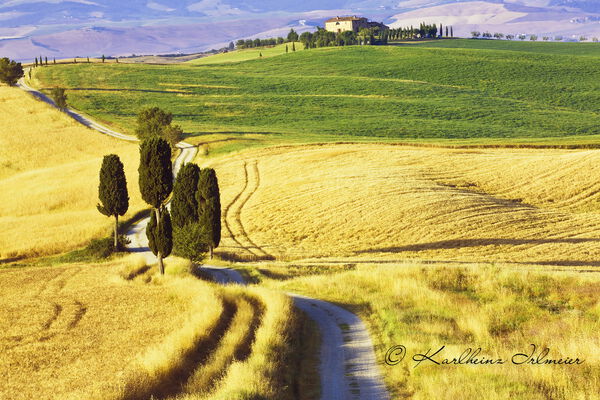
{"x": 209, "y": 207}
{"x": 112, "y": 191}
{"x": 160, "y": 236}
{"x": 184, "y": 206}
{"x": 156, "y": 182}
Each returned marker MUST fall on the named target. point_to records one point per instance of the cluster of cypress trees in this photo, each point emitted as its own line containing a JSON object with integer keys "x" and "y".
{"x": 423, "y": 31}
{"x": 196, "y": 204}
{"x": 196, "y": 209}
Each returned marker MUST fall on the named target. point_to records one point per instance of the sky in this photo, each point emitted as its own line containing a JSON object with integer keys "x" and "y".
{"x": 60, "y": 27}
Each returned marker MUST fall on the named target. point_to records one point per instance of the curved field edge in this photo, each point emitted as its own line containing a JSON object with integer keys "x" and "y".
{"x": 247, "y": 346}
{"x": 468, "y": 95}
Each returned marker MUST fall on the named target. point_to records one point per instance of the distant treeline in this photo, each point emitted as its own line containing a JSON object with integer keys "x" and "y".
{"x": 366, "y": 36}
{"x": 498, "y": 35}
{"x": 249, "y": 43}
{"x": 424, "y": 31}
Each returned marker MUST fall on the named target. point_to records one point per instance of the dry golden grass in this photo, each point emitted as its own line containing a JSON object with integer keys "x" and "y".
{"x": 78, "y": 331}
{"x": 120, "y": 331}
{"x": 500, "y": 309}
{"x": 382, "y": 202}
{"x": 49, "y": 168}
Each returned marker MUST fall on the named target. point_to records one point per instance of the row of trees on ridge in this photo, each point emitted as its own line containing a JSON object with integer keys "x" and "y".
{"x": 499, "y": 35}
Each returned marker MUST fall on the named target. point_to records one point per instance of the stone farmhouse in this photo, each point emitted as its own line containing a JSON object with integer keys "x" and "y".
{"x": 354, "y": 23}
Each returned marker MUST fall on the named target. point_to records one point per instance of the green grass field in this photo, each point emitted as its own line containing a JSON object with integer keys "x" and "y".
{"x": 559, "y": 48}
{"x": 398, "y": 93}
{"x": 246, "y": 54}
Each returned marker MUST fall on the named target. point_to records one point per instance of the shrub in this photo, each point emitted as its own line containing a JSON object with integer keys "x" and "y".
{"x": 452, "y": 279}
{"x": 10, "y": 71}
{"x": 59, "y": 97}
{"x": 104, "y": 248}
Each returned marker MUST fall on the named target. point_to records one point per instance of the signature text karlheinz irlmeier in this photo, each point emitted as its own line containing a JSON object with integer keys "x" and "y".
{"x": 472, "y": 356}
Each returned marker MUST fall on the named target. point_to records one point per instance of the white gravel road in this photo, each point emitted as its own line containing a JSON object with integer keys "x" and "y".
{"x": 348, "y": 367}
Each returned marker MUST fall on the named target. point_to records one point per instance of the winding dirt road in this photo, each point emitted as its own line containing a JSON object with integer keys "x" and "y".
{"x": 348, "y": 367}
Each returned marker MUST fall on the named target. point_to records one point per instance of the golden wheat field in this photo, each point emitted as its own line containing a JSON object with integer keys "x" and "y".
{"x": 374, "y": 202}
{"x": 119, "y": 331}
{"x": 500, "y": 309}
{"x": 49, "y": 168}
{"x": 74, "y": 331}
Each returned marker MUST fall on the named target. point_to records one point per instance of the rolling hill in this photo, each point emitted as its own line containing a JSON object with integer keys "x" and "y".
{"x": 399, "y": 93}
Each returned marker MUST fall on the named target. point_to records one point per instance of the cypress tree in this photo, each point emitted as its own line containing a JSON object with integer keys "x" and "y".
{"x": 441, "y": 31}
{"x": 184, "y": 206}
{"x": 103, "y": 58}
{"x": 293, "y": 46}
{"x": 209, "y": 207}
{"x": 156, "y": 182}
{"x": 286, "y": 48}
{"x": 446, "y": 30}
{"x": 55, "y": 61}
{"x": 112, "y": 191}
{"x": 451, "y": 32}
{"x": 36, "y": 62}
{"x": 160, "y": 236}
{"x": 190, "y": 239}
{"x": 46, "y": 59}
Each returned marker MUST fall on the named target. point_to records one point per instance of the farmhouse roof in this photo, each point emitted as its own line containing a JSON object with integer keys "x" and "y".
{"x": 337, "y": 19}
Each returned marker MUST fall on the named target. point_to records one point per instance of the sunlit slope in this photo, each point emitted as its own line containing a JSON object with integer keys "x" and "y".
{"x": 76, "y": 332}
{"x": 49, "y": 178}
{"x": 399, "y": 92}
{"x": 377, "y": 202}
{"x": 120, "y": 331}
{"x": 247, "y": 54}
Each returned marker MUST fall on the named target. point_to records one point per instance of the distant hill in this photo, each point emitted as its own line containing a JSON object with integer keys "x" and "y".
{"x": 509, "y": 18}
{"x": 68, "y": 28}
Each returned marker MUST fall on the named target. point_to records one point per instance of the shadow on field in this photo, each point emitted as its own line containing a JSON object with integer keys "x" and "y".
{"x": 125, "y": 90}
{"x": 10, "y": 259}
{"x": 461, "y": 243}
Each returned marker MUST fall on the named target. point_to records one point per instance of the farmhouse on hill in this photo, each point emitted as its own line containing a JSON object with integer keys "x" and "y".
{"x": 354, "y": 23}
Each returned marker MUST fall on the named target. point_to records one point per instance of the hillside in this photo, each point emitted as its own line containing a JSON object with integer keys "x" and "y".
{"x": 246, "y": 54}
{"x": 525, "y": 46}
{"x": 364, "y": 203}
{"x": 395, "y": 92}
{"x": 49, "y": 178}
